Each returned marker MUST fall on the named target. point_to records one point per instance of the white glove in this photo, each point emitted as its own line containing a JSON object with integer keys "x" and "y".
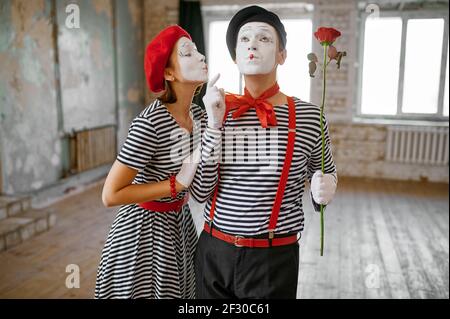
{"x": 323, "y": 187}
{"x": 214, "y": 101}
{"x": 187, "y": 172}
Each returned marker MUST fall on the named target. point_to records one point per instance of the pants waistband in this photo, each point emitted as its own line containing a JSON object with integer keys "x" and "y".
{"x": 251, "y": 242}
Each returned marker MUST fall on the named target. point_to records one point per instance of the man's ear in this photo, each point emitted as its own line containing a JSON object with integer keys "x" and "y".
{"x": 168, "y": 75}
{"x": 282, "y": 55}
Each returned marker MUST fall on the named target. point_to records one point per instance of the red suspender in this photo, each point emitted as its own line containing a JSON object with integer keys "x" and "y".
{"x": 286, "y": 168}
{"x": 284, "y": 173}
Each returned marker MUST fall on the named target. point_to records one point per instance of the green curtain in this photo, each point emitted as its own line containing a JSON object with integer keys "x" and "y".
{"x": 190, "y": 19}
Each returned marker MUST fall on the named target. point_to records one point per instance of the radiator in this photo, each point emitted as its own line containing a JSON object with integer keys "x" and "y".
{"x": 417, "y": 145}
{"x": 92, "y": 148}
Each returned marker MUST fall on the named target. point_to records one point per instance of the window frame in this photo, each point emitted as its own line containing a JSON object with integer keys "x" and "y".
{"x": 400, "y": 115}
{"x": 211, "y": 13}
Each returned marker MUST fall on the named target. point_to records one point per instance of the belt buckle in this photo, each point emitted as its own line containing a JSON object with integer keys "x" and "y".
{"x": 236, "y": 238}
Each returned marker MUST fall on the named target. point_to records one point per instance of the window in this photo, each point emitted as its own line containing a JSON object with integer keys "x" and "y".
{"x": 422, "y": 65}
{"x": 403, "y": 56}
{"x": 381, "y": 66}
{"x": 446, "y": 89}
{"x": 293, "y": 75}
{"x": 219, "y": 60}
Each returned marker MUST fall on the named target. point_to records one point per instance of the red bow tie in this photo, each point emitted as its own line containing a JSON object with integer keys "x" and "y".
{"x": 264, "y": 110}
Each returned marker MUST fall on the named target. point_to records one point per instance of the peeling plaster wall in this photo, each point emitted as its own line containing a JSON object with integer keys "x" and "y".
{"x": 93, "y": 94}
{"x": 40, "y": 99}
{"x": 86, "y": 57}
{"x": 130, "y": 65}
{"x": 31, "y": 150}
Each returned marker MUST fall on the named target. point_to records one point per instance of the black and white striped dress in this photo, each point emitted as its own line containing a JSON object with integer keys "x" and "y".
{"x": 248, "y": 183}
{"x": 150, "y": 254}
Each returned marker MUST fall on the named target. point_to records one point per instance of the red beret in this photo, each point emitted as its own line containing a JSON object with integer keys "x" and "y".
{"x": 157, "y": 54}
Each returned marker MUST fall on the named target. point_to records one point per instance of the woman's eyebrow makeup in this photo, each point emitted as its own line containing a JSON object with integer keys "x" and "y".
{"x": 186, "y": 48}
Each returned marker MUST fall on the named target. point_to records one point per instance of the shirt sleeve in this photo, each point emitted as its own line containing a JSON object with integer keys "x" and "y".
{"x": 140, "y": 144}
{"x": 315, "y": 160}
{"x": 206, "y": 176}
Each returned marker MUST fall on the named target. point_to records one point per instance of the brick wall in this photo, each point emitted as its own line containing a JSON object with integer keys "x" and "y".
{"x": 359, "y": 149}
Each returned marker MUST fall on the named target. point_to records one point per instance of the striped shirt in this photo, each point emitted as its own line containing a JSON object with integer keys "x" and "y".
{"x": 156, "y": 145}
{"x": 251, "y": 160}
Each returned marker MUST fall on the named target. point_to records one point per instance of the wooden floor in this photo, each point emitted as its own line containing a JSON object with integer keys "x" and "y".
{"x": 383, "y": 240}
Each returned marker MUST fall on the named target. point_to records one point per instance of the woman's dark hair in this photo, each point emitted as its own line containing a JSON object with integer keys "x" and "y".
{"x": 169, "y": 95}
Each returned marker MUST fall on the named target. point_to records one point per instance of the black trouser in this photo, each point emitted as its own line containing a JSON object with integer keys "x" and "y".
{"x": 223, "y": 270}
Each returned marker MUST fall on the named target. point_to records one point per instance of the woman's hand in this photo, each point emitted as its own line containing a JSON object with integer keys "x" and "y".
{"x": 187, "y": 172}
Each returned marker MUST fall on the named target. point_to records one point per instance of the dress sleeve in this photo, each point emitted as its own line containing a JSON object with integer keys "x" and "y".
{"x": 140, "y": 144}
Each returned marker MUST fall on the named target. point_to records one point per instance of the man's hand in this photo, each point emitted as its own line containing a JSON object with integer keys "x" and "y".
{"x": 323, "y": 187}
{"x": 187, "y": 172}
{"x": 214, "y": 101}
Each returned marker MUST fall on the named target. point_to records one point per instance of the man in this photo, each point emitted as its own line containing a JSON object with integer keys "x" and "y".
{"x": 253, "y": 214}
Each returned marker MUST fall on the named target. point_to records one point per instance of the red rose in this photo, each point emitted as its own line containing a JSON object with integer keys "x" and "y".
{"x": 326, "y": 35}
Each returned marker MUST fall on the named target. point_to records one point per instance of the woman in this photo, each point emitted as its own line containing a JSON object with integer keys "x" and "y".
{"x": 150, "y": 247}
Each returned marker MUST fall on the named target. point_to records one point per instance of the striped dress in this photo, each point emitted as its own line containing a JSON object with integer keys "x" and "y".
{"x": 150, "y": 254}
{"x": 251, "y": 160}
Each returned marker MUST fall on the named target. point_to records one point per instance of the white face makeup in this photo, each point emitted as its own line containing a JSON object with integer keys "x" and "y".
{"x": 256, "y": 48}
{"x": 192, "y": 63}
